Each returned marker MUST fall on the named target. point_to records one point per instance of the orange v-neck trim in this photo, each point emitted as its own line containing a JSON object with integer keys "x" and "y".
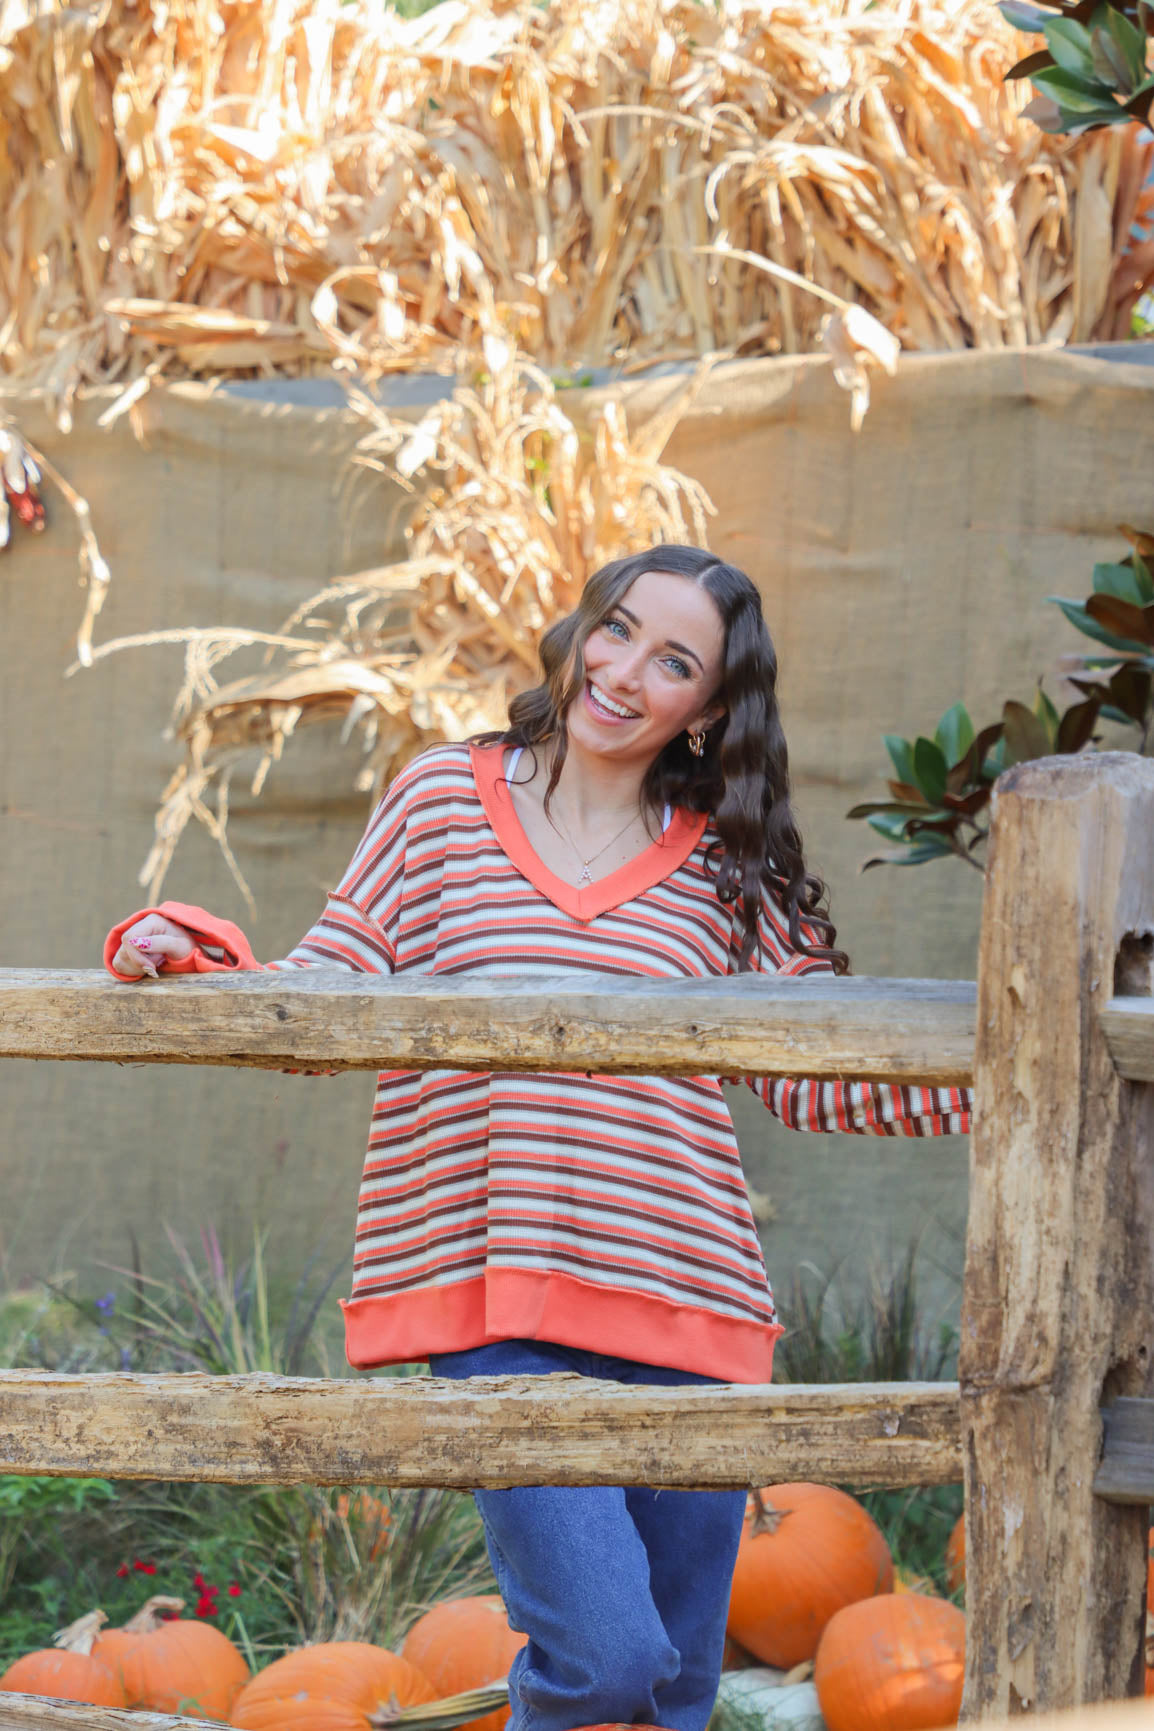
{"x": 651, "y": 866}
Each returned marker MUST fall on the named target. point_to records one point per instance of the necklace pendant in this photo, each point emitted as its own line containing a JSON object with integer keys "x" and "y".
{"x": 586, "y": 876}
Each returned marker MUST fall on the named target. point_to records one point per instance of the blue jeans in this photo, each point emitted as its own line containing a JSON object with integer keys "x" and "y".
{"x": 623, "y": 1591}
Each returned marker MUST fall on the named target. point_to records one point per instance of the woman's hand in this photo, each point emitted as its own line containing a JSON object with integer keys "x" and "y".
{"x": 147, "y": 945}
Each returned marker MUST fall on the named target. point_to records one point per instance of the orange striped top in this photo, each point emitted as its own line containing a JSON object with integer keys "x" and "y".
{"x": 604, "y": 1212}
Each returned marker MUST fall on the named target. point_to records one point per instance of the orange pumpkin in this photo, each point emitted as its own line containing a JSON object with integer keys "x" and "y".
{"x": 893, "y": 1663}
{"x": 806, "y": 1550}
{"x": 70, "y": 1670}
{"x": 462, "y": 1643}
{"x": 333, "y": 1686}
{"x": 174, "y": 1664}
{"x": 956, "y": 1555}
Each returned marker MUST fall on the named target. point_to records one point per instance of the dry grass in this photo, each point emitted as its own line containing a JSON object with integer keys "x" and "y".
{"x": 290, "y": 185}
{"x": 518, "y": 505}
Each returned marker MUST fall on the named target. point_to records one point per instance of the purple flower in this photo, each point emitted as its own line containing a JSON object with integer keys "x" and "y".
{"x": 107, "y": 1303}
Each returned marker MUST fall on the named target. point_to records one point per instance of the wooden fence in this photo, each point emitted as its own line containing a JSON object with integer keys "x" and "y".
{"x": 1050, "y": 1427}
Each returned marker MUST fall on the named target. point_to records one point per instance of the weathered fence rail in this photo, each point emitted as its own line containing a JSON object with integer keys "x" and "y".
{"x": 497, "y": 1431}
{"x": 1058, "y": 1305}
{"x": 902, "y": 1030}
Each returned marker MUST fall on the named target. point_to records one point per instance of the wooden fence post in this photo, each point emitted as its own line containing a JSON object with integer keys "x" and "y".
{"x": 1058, "y": 1309}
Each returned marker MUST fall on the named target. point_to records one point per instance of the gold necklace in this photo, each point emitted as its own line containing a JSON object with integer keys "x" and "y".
{"x": 586, "y": 876}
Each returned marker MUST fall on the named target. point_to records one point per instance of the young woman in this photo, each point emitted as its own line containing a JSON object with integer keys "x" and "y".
{"x": 633, "y": 818}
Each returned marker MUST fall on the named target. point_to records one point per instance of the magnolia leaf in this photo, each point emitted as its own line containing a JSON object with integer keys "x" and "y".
{"x": 1076, "y": 727}
{"x": 971, "y": 771}
{"x": 1143, "y": 579}
{"x": 1122, "y": 581}
{"x": 1025, "y": 735}
{"x": 997, "y": 759}
{"x": 1110, "y": 63}
{"x": 1024, "y": 17}
{"x": 888, "y": 824}
{"x": 966, "y": 805}
{"x": 1073, "y": 93}
{"x": 1030, "y": 63}
{"x": 1123, "y": 618}
{"x": 930, "y": 770}
{"x": 1046, "y": 713}
{"x": 1130, "y": 41}
{"x": 1072, "y": 47}
{"x": 1076, "y": 613}
{"x": 905, "y": 794}
{"x": 918, "y": 853}
{"x": 1045, "y": 114}
{"x": 1139, "y": 104}
{"x": 955, "y": 734}
{"x": 901, "y": 756}
{"x": 1142, "y": 540}
{"x": 884, "y": 807}
{"x": 1129, "y": 691}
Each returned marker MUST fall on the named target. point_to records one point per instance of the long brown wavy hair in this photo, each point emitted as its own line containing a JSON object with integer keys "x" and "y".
{"x": 742, "y": 777}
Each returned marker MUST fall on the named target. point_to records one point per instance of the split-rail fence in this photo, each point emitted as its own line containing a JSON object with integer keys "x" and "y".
{"x": 1051, "y": 1424}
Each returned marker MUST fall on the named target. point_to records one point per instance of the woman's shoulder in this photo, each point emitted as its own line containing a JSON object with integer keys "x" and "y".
{"x": 442, "y": 764}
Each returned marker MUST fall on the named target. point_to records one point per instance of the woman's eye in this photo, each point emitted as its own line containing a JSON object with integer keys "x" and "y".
{"x": 682, "y": 669}
{"x": 610, "y": 623}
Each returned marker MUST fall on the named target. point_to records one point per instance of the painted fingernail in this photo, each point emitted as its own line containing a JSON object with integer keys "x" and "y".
{"x": 141, "y": 943}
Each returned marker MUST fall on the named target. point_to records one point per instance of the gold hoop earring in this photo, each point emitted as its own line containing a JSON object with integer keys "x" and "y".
{"x": 697, "y": 743}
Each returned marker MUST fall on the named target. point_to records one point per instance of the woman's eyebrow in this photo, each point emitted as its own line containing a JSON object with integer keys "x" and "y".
{"x": 669, "y": 643}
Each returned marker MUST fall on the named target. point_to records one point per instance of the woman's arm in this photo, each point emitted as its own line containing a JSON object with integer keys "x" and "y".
{"x": 861, "y": 1108}
{"x": 356, "y": 929}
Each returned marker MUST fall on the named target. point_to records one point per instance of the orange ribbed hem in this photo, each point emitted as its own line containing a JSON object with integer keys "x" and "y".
{"x": 515, "y": 1304}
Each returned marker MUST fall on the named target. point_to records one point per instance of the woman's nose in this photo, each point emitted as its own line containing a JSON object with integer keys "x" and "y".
{"x": 627, "y": 669}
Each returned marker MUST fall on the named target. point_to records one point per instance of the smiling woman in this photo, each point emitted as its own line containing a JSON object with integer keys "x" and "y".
{"x": 632, "y": 819}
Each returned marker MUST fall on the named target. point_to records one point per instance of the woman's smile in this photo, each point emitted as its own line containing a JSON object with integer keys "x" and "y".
{"x": 606, "y": 708}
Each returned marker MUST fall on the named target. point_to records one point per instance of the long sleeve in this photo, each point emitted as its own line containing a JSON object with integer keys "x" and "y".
{"x": 355, "y": 930}
{"x": 860, "y": 1108}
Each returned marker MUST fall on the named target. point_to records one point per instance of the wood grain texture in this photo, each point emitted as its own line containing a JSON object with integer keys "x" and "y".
{"x": 1126, "y": 1471}
{"x": 497, "y": 1431}
{"x": 896, "y": 1030}
{"x": 1059, "y": 1285}
{"x": 41, "y": 1713}
{"x": 1128, "y": 1028}
{"x": 37, "y": 1713}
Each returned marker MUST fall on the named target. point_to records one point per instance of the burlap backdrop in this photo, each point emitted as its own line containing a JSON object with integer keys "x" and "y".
{"x": 901, "y": 568}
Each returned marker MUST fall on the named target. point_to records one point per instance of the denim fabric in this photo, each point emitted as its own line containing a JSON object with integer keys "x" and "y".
{"x": 622, "y": 1591}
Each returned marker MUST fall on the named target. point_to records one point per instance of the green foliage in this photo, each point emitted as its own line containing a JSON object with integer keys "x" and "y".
{"x": 1094, "y": 70}
{"x": 877, "y": 1336}
{"x": 290, "y": 1564}
{"x": 938, "y": 801}
{"x": 917, "y": 1524}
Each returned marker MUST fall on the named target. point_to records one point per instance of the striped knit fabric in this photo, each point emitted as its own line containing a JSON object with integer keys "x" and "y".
{"x": 604, "y": 1212}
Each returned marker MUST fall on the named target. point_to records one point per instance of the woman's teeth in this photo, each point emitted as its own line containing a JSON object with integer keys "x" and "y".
{"x": 607, "y": 703}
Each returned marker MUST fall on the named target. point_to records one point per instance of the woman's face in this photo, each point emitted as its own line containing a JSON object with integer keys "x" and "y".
{"x": 658, "y": 655}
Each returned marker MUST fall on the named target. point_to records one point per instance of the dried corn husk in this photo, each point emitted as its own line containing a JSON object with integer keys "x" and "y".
{"x": 320, "y": 185}
{"x": 248, "y": 187}
{"x": 519, "y": 505}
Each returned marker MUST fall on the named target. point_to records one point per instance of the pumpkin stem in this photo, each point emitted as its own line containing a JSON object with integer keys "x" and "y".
{"x": 80, "y": 1636}
{"x": 441, "y": 1715}
{"x": 766, "y": 1516}
{"x": 148, "y": 1619}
